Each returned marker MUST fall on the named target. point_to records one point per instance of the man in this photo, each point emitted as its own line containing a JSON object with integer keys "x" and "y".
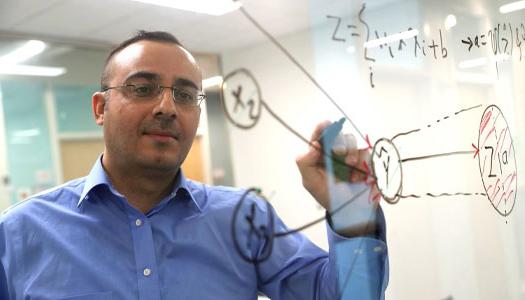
{"x": 136, "y": 228}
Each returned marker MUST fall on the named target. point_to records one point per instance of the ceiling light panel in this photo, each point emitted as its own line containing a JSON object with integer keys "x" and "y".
{"x": 210, "y": 7}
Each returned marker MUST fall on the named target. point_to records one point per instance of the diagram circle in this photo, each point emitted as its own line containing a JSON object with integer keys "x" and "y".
{"x": 241, "y": 98}
{"x": 386, "y": 163}
{"x": 497, "y": 160}
{"x": 244, "y": 227}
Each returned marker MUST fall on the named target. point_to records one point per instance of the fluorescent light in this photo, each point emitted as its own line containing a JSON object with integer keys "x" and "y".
{"x": 513, "y": 6}
{"x": 426, "y": 29}
{"x": 450, "y": 21}
{"x": 501, "y": 57}
{"x": 27, "y": 132}
{"x": 28, "y": 50}
{"x": 212, "y": 81}
{"x": 9, "y": 63}
{"x": 480, "y": 78}
{"x": 350, "y": 49}
{"x": 31, "y": 70}
{"x": 210, "y": 7}
{"x": 392, "y": 38}
{"x": 472, "y": 63}
{"x": 478, "y": 62}
{"x": 20, "y": 140}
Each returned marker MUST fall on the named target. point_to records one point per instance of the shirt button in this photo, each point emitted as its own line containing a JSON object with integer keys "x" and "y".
{"x": 147, "y": 272}
{"x": 138, "y": 222}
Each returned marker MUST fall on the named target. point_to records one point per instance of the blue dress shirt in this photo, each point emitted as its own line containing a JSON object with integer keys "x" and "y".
{"x": 83, "y": 240}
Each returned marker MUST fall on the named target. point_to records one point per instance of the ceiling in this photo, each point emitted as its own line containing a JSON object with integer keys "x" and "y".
{"x": 103, "y": 23}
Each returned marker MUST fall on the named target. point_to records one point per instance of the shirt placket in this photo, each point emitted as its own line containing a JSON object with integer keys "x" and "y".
{"x": 145, "y": 257}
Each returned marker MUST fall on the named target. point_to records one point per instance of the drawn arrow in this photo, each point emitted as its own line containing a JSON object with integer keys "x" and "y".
{"x": 469, "y": 42}
{"x": 367, "y": 169}
{"x": 477, "y": 150}
{"x": 371, "y": 184}
{"x": 367, "y": 139}
{"x": 377, "y": 197}
{"x": 374, "y": 197}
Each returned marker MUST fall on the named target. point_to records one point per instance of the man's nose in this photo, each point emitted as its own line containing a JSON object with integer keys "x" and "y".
{"x": 165, "y": 106}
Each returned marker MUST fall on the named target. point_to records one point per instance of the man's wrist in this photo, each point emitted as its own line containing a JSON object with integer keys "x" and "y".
{"x": 369, "y": 229}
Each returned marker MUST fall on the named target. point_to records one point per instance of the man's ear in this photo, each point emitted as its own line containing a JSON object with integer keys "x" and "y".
{"x": 98, "y": 102}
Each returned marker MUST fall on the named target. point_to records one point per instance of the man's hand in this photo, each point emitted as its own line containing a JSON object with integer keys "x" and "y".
{"x": 313, "y": 172}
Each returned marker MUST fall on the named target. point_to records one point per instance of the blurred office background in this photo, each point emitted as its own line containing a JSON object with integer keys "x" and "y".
{"x": 52, "y": 53}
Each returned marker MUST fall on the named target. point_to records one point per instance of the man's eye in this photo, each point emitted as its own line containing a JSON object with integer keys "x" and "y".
{"x": 184, "y": 96}
{"x": 143, "y": 90}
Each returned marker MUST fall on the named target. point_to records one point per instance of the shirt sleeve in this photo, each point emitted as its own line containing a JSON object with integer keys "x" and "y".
{"x": 292, "y": 267}
{"x": 4, "y": 294}
{"x": 3, "y": 283}
{"x": 361, "y": 265}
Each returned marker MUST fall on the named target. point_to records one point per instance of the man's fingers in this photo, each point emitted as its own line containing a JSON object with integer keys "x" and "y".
{"x": 313, "y": 175}
{"x": 363, "y": 156}
{"x": 340, "y": 147}
{"x": 352, "y": 157}
{"x": 351, "y": 141}
{"x": 316, "y": 135}
{"x": 311, "y": 157}
{"x": 356, "y": 158}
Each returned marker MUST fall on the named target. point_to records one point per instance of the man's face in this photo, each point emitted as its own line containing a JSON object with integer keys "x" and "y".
{"x": 155, "y": 133}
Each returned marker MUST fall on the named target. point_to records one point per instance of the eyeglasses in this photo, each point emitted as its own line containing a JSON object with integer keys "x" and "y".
{"x": 148, "y": 91}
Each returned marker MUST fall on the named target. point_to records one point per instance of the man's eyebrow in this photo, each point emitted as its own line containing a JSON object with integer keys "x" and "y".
{"x": 143, "y": 75}
{"x": 185, "y": 82}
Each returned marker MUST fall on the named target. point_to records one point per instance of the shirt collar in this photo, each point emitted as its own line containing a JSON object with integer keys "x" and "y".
{"x": 97, "y": 176}
{"x": 183, "y": 188}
